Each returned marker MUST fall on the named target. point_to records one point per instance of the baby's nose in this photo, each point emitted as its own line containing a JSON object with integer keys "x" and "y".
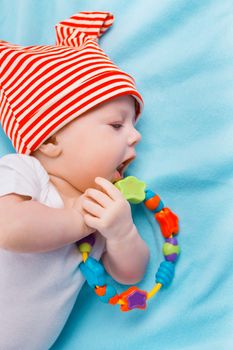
{"x": 135, "y": 137}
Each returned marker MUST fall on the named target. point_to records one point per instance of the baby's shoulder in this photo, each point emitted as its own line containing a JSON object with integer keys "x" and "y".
{"x": 23, "y": 163}
{"x": 18, "y": 159}
{"x": 20, "y": 173}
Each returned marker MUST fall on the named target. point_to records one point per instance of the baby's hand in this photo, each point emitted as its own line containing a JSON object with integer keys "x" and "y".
{"x": 107, "y": 211}
{"x": 77, "y": 205}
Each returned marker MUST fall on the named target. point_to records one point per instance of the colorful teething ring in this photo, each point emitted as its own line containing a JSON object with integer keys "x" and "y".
{"x": 135, "y": 192}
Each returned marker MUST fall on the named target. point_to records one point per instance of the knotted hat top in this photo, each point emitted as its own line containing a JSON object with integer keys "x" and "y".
{"x": 42, "y": 88}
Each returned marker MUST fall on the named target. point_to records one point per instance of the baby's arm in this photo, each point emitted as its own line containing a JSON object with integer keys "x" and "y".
{"x": 29, "y": 226}
{"x": 126, "y": 253}
{"x": 126, "y": 259}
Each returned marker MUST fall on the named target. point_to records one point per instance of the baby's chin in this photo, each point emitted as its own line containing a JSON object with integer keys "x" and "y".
{"x": 112, "y": 177}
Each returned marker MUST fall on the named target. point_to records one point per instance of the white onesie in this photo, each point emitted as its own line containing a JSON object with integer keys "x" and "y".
{"x": 37, "y": 290}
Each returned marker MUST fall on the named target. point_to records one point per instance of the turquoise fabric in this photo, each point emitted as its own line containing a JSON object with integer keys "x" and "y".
{"x": 181, "y": 55}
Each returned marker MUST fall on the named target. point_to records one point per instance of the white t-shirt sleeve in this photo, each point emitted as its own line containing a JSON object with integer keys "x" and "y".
{"x": 21, "y": 174}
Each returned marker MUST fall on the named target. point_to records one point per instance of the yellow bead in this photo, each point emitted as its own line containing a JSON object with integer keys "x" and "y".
{"x": 84, "y": 247}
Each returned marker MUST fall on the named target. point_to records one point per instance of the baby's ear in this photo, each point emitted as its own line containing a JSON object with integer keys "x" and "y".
{"x": 50, "y": 148}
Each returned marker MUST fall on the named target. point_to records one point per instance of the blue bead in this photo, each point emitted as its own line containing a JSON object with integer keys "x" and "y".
{"x": 159, "y": 207}
{"x": 110, "y": 292}
{"x": 165, "y": 273}
{"x": 149, "y": 194}
{"x": 94, "y": 272}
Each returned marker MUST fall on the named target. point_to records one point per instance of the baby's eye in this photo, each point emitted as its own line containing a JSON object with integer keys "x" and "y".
{"x": 116, "y": 126}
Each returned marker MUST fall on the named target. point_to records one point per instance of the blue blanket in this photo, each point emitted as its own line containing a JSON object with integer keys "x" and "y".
{"x": 181, "y": 55}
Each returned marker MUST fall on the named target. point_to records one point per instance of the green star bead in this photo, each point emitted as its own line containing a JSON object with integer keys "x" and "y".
{"x": 132, "y": 189}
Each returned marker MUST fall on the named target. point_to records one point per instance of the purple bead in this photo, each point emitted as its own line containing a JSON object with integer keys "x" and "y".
{"x": 137, "y": 299}
{"x": 89, "y": 239}
{"x": 171, "y": 257}
{"x": 172, "y": 240}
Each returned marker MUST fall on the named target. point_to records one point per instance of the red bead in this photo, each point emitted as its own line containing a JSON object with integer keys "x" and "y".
{"x": 168, "y": 222}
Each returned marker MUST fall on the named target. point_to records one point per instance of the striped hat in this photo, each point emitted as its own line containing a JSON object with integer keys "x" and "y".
{"x": 45, "y": 87}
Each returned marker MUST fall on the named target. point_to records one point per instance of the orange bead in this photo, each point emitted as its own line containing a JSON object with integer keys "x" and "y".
{"x": 114, "y": 299}
{"x": 152, "y": 203}
{"x": 100, "y": 291}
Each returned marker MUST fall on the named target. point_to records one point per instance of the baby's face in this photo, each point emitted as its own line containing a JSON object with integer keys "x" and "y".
{"x": 96, "y": 143}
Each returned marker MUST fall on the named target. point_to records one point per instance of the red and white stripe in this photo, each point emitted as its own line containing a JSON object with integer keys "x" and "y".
{"x": 45, "y": 87}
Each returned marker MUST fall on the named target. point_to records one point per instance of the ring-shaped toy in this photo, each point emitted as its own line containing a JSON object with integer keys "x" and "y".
{"x": 135, "y": 192}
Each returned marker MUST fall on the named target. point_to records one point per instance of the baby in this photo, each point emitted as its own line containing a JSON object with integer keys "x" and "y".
{"x": 70, "y": 114}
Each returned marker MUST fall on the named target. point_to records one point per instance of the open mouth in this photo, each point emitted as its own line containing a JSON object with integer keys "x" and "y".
{"x": 122, "y": 167}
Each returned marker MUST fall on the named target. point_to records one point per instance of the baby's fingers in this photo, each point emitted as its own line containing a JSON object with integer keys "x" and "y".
{"x": 92, "y": 208}
{"x": 91, "y": 221}
{"x": 100, "y": 197}
{"x": 109, "y": 188}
